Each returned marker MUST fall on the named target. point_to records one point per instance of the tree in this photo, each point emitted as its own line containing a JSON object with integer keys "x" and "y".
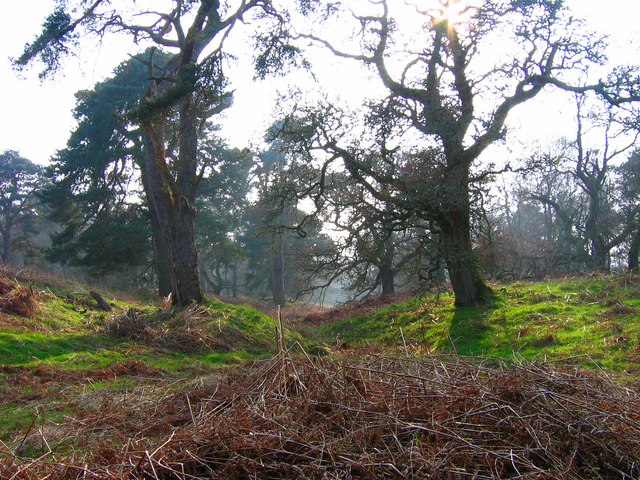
{"x": 587, "y": 164}
{"x": 281, "y": 238}
{"x": 19, "y": 180}
{"x": 373, "y": 249}
{"x": 449, "y": 90}
{"x": 629, "y": 192}
{"x": 190, "y": 87}
{"x": 93, "y": 194}
{"x": 592, "y": 171}
{"x": 222, "y": 204}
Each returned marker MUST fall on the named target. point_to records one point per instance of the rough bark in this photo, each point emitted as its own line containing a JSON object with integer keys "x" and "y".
{"x": 161, "y": 260}
{"x": 466, "y": 281}
{"x": 102, "y": 303}
{"x": 175, "y": 219}
{"x": 599, "y": 248}
{"x": 387, "y": 273}
{"x": 455, "y": 243}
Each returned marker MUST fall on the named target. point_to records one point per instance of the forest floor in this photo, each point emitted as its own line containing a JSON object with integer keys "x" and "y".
{"x": 539, "y": 383}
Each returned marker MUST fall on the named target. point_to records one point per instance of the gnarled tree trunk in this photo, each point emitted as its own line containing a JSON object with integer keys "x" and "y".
{"x": 455, "y": 242}
{"x": 387, "y": 273}
{"x": 174, "y": 212}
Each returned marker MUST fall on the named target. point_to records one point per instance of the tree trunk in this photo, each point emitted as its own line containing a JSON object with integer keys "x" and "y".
{"x": 174, "y": 212}
{"x": 599, "y": 251}
{"x": 387, "y": 274}
{"x": 161, "y": 259}
{"x": 185, "y": 278}
{"x": 466, "y": 281}
{"x": 277, "y": 276}
{"x": 6, "y": 246}
{"x": 634, "y": 252}
{"x": 599, "y": 255}
{"x": 454, "y": 222}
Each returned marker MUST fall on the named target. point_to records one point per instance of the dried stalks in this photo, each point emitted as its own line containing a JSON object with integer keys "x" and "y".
{"x": 381, "y": 417}
{"x": 17, "y": 299}
{"x": 192, "y": 330}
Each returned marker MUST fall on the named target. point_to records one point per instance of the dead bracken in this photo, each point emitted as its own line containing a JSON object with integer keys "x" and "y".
{"x": 17, "y": 299}
{"x": 377, "y": 417}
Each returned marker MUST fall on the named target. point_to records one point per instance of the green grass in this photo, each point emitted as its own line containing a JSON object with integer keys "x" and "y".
{"x": 596, "y": 318}
{"x": 73, "y": 335}
{"x": 65, "y": 362}
{"x": 64, "y": 335}
{"x": 592, "y": 319}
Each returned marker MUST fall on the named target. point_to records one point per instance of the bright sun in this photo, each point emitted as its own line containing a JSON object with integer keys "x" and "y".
{"x": 453, "y": 12}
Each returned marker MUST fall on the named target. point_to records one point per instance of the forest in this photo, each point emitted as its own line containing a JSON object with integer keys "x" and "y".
{"x": 409, "y": 221}
{"x": 393, "y": 195}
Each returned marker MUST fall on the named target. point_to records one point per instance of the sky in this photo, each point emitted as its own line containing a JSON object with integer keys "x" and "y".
{"x": 37, "y": 115}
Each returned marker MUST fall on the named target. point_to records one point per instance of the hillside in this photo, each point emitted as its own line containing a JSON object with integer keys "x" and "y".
{"x": 595, "y": 320}
{"x": 146, "y": 391}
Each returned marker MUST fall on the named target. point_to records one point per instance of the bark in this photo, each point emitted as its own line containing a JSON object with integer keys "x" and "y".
{"x": 387, "y": 273}
{"x": 174, "y": 215}
{"x": 599, "y": 247}
{"x": 455, "y": 243}
{"x": 161, "y": 259}
{"x": 185, "y": 278}
{"x": 634, "y": 252}
{"x": 102, "y": 303}
{"x": 277, "y": 277}
{"x": 466, "y": 281}
{"x": 599, "y": 255}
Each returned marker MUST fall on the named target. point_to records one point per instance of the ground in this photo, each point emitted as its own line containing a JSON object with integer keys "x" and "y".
{"x": 539, "y": 383}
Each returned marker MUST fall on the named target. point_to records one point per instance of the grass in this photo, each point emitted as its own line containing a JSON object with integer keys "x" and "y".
{"x": 67, "y": 356}
{"x": 596, "y": 318}
{"x": 67, "y": 337}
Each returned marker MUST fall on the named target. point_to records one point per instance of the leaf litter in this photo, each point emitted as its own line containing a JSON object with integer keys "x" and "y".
{"x": 439, "y": 417}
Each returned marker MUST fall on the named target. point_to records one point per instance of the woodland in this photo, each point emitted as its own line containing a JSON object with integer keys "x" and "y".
{"x": 432, "y": 307}
{"x": 392, "y": 195}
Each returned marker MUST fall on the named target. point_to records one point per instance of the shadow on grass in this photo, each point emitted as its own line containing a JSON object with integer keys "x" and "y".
{"x": 470, "y": 332}
{"x": 18, "y": 349}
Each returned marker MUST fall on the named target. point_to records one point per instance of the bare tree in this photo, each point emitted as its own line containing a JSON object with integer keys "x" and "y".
{"x": 587, "y": 164}
{"x": 629, "y": 191}
{"x": 450, "y": 89}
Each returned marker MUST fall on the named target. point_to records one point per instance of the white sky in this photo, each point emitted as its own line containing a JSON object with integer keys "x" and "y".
{"x": 36, "y": 116}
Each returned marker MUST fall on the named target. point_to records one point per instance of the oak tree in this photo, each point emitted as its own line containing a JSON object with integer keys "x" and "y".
{"x": 452, "y": 86}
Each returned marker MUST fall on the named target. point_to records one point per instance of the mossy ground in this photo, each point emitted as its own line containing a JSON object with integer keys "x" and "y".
{"x": 72, "y": 341}
{"x": 595, "y": 319}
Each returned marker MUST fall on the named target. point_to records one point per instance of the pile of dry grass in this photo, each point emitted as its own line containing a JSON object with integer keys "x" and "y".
{"x": 189, "y": 330}
{"x": 131, "y": 325}
{"x": 440, "y": 418}
{"x": 17, "y": 299}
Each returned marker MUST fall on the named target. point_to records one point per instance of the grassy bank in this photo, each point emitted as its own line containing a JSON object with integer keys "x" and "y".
{"x": 596, "y": 318}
